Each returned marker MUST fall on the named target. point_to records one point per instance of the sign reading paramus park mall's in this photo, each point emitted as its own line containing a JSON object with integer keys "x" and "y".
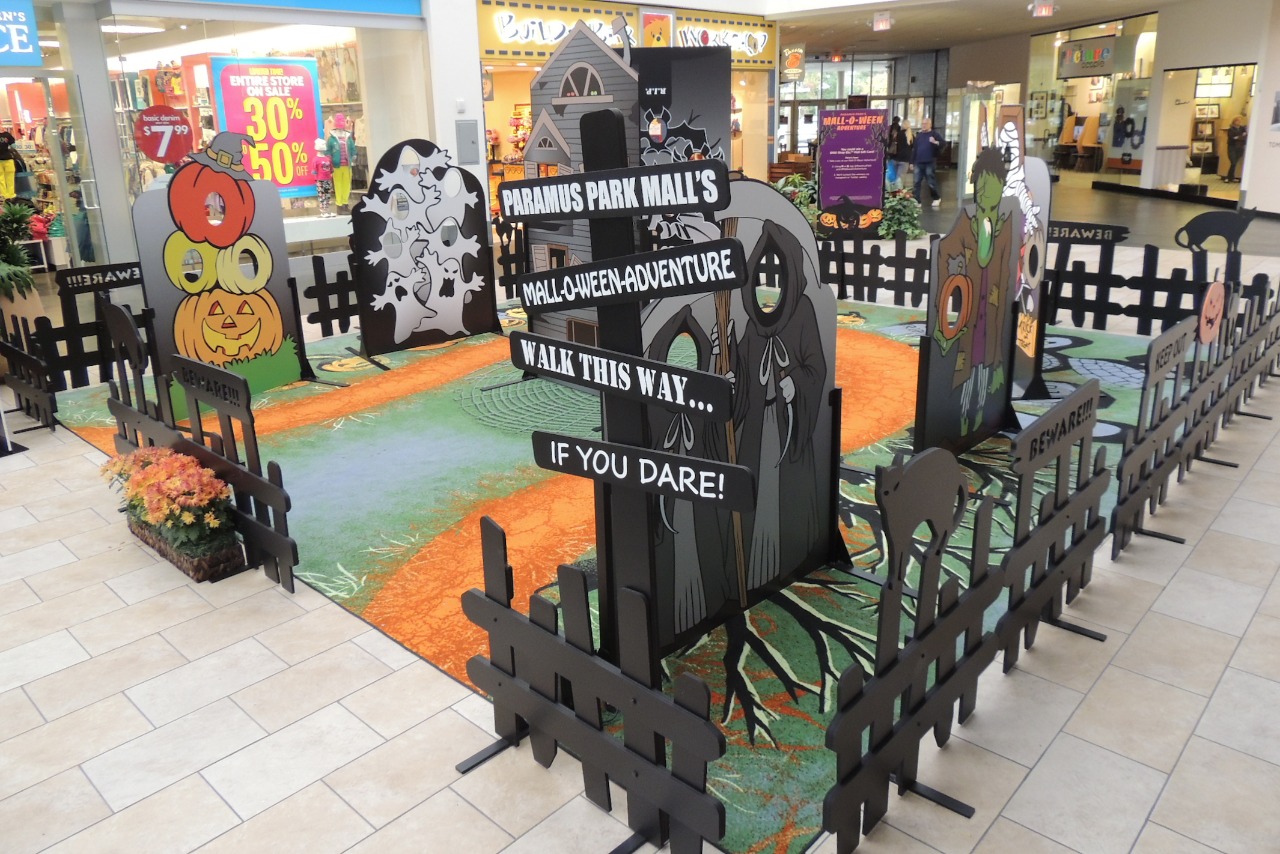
{"x": 718, "y": 265}
{"x": 672, "y": 188}
{"x": 684, "y": 478}
{"x": 677, "y": 389}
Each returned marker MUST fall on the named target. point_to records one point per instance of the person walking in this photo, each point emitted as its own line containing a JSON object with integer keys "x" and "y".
{"x": 924, "y": 154}
{"x": 895, "y": 153}
{"x": 1237, "y": 136}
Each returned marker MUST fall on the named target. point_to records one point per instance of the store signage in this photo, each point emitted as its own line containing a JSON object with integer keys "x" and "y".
{"x": 684, "y": 478}
{"x": 717, "y": 265}
{"x": 275, "y": 101}
{"x": 19, "y": 43}
{"x": 751, "y": 39}
{"x": 1087, "y": 233}
{"x": 677, "y": 389}
{"x": 792, "y": 66}
{"x": 511, "y": 29}
{"x": 1087, "y": 58}
{"x": 851, "y": 158}
{"x": 382, "y": 7}
{"x": 163, "y": 134}
{"x": 103, "y": 277}
{"x": 671, "y": 188}
{"x": 519, "y": 30}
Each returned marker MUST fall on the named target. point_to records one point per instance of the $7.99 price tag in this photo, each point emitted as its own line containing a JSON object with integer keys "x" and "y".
{"x": 162, "y": 134}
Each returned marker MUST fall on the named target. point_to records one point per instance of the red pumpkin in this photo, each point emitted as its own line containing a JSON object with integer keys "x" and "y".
{"x": 190, "y": 188}
{"x": 219, "y": 327}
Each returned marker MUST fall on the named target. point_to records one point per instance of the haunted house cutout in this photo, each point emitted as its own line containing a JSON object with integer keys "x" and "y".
{"x": 966, "y": 358}
{"x": 423, "y": 267}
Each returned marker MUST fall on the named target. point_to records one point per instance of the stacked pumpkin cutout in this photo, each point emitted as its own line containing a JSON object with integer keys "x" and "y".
{"x": 228, "y": 314}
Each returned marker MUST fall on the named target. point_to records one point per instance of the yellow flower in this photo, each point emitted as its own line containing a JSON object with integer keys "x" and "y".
{"x": 188, "y": 518}
{"x": 211, "y": 520}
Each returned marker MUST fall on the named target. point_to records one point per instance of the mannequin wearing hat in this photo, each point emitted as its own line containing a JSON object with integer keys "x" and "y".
{"x": 323, "y": 166}
{"x": 342, "y": 151}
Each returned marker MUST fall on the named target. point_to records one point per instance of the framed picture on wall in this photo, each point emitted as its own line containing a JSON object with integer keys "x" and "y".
{"x": 1202, "y": 148}
{"x": 1039, "y": 105}
{"x": 1207, "y": 111}
{"x": 1204, "y": 129}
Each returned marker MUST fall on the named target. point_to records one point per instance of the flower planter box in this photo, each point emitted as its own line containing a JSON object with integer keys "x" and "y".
{"x": 204, "y": 568}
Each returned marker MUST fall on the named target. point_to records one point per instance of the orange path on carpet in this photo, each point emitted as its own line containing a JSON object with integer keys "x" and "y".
{"x": 387, "y": 386}
{"x": 547, "y": 524}
{"x": 552, "y": 522}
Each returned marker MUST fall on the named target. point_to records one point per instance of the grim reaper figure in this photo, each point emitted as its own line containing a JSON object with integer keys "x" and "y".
{"x": 779, "y": 376}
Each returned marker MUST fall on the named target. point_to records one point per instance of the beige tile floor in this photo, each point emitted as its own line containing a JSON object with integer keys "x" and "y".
{"x": 140, "y": 712}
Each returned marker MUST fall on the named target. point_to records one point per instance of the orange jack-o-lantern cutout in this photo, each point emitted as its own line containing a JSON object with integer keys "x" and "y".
{"x": 828, "y": 219}
{"x": 219, "y": 327}
{"x": 190, "y": 189}
{"x": 1211, "y": 309}
{"x": 963, "y": 286}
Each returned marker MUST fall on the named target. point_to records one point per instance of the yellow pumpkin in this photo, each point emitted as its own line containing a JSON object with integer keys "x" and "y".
{"x": 219, "y": 327}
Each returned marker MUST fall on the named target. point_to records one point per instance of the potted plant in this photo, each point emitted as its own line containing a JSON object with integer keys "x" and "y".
{"x": 901, "y": 213}
{"x": 801, "y": 192}
{"x": 180, "y": 509}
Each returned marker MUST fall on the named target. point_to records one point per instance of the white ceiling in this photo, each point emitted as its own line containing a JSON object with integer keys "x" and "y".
{"x": 937, "y": 24}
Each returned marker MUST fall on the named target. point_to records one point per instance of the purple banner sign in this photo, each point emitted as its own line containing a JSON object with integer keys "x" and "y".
{"x": 851, "y": 159}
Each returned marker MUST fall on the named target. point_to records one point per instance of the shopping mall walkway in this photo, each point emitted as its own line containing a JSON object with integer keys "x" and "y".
{"x": 141, "y": 712}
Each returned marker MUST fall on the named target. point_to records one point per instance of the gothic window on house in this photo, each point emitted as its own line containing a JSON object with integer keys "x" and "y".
{"x": 581, "y": 81}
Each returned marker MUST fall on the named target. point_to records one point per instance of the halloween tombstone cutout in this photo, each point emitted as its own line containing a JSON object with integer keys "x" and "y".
{"x": 963, "y": 395}
{"x": 423, "y": 267}
{"x": 215, "y": 268}
{"x": 778, "y": 346}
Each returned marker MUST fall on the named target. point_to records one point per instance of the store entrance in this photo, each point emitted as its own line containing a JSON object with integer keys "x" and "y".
{"x": 54, "y": 170}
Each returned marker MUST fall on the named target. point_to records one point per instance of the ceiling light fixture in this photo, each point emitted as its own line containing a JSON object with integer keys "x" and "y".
{"x": 1040, "y": 9}
{"x": 130, "y": 29}
{"x": 882, "y": 22}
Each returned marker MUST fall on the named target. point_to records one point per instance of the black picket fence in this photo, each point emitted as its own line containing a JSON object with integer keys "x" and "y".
{"x": 260, "y": 502}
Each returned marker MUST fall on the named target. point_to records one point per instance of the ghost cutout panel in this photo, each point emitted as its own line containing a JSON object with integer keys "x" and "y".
{"x": 780, "y": 347}
{"x": 966, "y": 361}
{"x": 215, "y": 268}
{"x": 421, "y": 245}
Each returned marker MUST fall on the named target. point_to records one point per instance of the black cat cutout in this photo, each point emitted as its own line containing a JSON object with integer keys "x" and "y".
{"x": 1229, "y": 225}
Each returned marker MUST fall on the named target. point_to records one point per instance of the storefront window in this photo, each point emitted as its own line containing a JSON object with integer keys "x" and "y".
{"x": 873, "y": 80}
{"x": 1087, "y": 114}
{"x": 296, "y": 92}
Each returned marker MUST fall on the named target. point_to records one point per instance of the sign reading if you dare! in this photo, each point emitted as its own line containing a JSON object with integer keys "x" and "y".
{"x": 718, "y": 265}
{"x": 674, "y": 388}
{"x": 684, "y": 478}
{"x": 669, "y": 188}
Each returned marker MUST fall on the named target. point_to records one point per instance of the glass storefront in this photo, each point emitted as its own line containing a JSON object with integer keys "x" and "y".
{"x": 907, "y": 86}
{"x": 295, "y": 91}
{"x": 1087, "y": 99}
